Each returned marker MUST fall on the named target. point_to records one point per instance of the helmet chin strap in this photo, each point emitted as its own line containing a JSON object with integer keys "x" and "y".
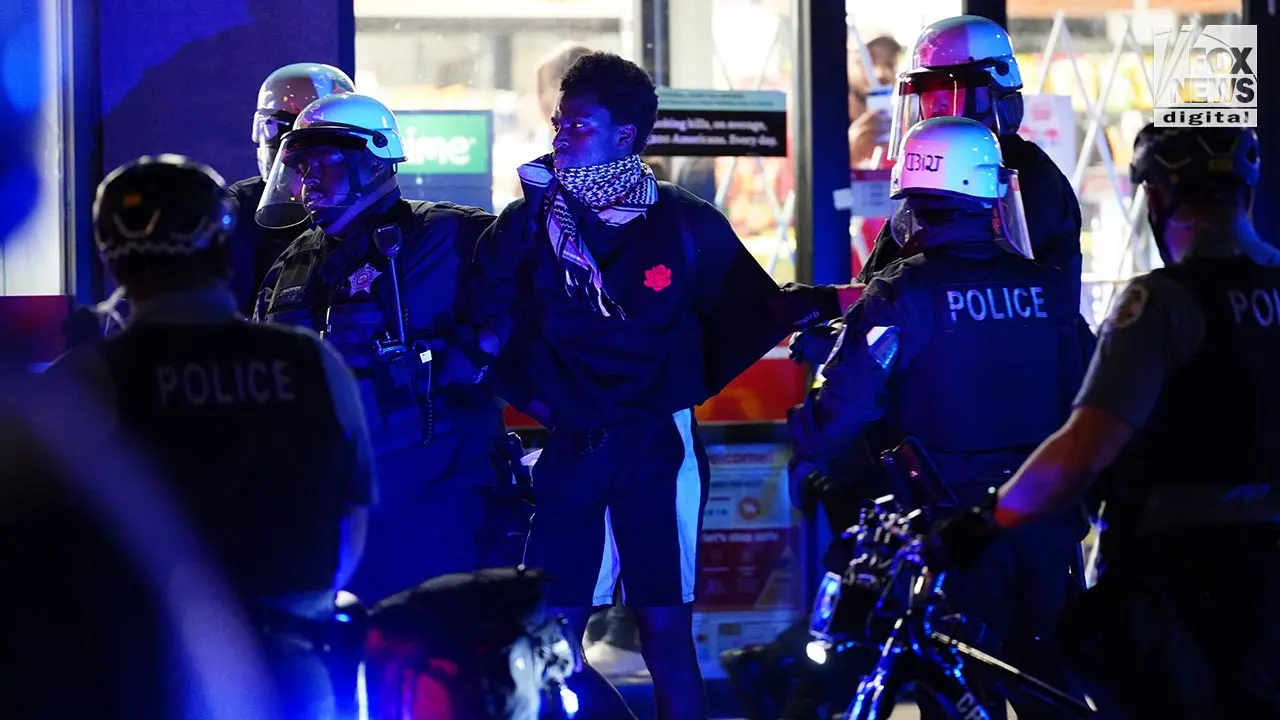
{"x": 1159, "y": 225}
{"x": 337, "y": 219}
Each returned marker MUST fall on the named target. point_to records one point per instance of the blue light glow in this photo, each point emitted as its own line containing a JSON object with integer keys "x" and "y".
{"x": 21, "y": 66}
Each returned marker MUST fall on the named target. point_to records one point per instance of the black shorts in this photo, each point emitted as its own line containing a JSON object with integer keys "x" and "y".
{"x": 623, "y": 505}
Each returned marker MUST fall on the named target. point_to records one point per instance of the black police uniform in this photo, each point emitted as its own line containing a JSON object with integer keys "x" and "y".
{"x": 253, "y": 248}
{"x": 1053, "y": 226}
{"x": 444, "y": 477}
{"x": 1192, "y": 515}
{"x": 211, "y": 396}
{"x": 977, "y": 382}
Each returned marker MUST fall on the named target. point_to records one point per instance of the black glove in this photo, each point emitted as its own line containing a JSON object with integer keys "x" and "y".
{"x": 814, "y": 346}
{"x": 804, "y": 479}
{"x": 454, "y": 366}
{"x": 957, "y": 543}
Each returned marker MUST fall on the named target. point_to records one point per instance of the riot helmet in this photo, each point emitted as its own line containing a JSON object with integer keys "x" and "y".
{"x": 1202, "y": 165}
{"x": 960, "y": 67}
{"x": 951, "y": 171}
{"x": 339, "y": 159}
{"x": 158, "y": 218}
{"x": 282, "y": 97}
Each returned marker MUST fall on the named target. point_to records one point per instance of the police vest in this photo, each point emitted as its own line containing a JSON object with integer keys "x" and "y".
{"x": 241, "y": 418}
{"x": 344, "y": 290}
{"x": 1218, "y": 416}
{"x": 987, "y": 380}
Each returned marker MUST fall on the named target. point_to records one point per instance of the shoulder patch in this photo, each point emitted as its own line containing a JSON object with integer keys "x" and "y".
{"x": 1129, "y": 307}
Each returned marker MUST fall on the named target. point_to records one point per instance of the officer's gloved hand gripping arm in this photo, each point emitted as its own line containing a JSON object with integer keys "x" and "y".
{"x": 856, "y": 376}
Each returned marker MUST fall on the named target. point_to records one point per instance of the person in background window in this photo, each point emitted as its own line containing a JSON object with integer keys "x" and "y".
{"x": 611, "y": 305}
{"x": 869, "y": 129}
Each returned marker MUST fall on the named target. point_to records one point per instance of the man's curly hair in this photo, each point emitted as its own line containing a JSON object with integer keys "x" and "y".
{"x": 621, "y": 87}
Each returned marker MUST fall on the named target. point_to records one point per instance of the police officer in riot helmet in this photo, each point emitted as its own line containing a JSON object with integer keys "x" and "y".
{"x": 214, "y": 396}
{"x": 965, "y": 67}
{"x": 1175, "y": 428}
{"x": 957, "y": 345}
{"x": 377, "y": 275}
{"x": 283, "y": 94}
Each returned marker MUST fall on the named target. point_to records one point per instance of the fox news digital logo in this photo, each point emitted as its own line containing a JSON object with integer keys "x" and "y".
{"x": 1205, "y": 77}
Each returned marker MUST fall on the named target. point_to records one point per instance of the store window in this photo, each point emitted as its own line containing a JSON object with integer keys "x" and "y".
{"x": 881, "y": 37}
{"x": 1094, "y": 62}
{"x": 32, "y": 256}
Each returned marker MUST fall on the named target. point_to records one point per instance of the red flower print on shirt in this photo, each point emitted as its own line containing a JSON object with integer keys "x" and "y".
{"x": 657, "y": 277}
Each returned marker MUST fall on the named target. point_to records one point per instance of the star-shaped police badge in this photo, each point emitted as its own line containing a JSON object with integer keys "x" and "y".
{"x": 362, "y": 279}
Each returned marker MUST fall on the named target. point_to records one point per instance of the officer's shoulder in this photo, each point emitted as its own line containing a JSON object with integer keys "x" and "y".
{"x": 1030, "y": 160}
{"x": 1163, "y": 288}
{"x": 307, "y": 240}
{"x": 903, "y": 270}
{"x": 248, "y": 187}
{"x": 301, "y": 334}
{"x": 444, "y": 211}
{"x": 78, "y": 364}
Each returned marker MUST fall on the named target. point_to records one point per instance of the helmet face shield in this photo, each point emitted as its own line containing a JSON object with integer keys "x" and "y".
{"x": 1008, "y": 219}
{"x": 269, "y": 126}
{"x": 951, "y": 92}
{"x": 1011, "y": 217}
{"x": 312, "y": 172}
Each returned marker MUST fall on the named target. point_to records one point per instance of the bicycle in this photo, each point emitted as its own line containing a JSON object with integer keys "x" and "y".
{"x": 888, "y": 598}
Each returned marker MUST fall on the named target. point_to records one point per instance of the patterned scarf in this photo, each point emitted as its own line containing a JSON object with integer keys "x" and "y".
{"x": 617, "y": 192}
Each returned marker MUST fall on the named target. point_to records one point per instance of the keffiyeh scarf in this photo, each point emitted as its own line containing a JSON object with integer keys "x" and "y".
{"x": 617, "y": 192}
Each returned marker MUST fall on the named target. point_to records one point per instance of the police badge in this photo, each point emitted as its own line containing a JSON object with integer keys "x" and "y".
{"x": 361, "y": 280}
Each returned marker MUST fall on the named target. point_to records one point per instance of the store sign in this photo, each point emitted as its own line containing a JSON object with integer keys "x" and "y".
{"x": 447, "y": 142}
{"x": 1206, "y": 77}
{"x": 1050, "y": 122}
{"x": 448, "y": 156}
{"x": 717, "y": 123}
{"x": 746, "y": 546}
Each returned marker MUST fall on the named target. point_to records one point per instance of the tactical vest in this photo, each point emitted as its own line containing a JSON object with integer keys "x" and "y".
{"x": 987, "y": 381}
{"x": 344, "y": 291}
{"x": 241, "y": 418}
{"x": 1218, "y": 417}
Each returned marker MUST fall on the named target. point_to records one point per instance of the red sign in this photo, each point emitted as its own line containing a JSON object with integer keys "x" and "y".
{"x": 763, "y": 393}
{"x": 744, "y": 569}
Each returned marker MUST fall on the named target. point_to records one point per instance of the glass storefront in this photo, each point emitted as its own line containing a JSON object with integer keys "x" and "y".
{"x": 1101, "y": 58}
{"x": 32, "y": 258}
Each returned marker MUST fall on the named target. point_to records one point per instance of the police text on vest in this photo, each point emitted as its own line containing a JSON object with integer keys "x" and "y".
{"x": 1262, "y": 304}
{"x": 235, "y": 383}
{"x": 996, "y": 303}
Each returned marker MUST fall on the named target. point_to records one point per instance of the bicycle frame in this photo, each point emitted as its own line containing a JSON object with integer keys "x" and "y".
{"x": 941, "y": 664}
{"x": 888, "y": 555}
